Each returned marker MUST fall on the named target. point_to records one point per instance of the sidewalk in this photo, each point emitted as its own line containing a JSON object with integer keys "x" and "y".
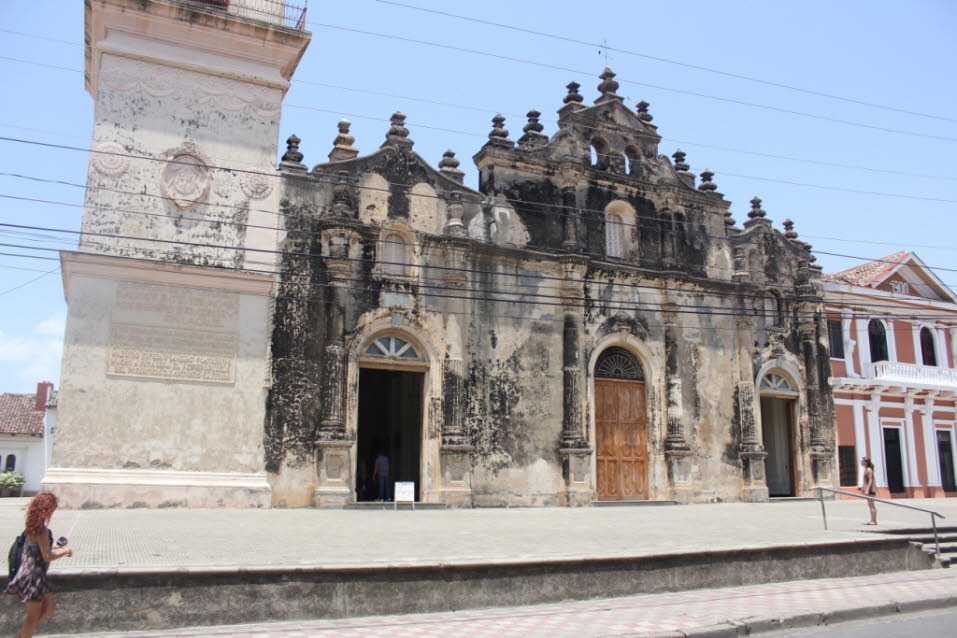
{"x": 711, "y": 613}
{"x": 138, "y": 539}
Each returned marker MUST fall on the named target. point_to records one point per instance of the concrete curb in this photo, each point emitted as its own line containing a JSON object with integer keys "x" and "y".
{"x": 752, "y": 626}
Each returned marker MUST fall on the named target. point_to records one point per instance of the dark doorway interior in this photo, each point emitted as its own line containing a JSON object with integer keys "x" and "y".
{"x": 778, "y": 431}
{"x": 945, "y": 452}
{"x": 893, "y": 460}
{"x": 390, "y": 420}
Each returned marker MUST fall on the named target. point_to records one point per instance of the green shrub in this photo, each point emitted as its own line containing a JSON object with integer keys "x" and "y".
{"x": 11, "y": 480}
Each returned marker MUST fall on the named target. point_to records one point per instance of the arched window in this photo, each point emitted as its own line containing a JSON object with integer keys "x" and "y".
{"x": 776, "y": 384}
{"x": 11, "y": 463}
{"x": 877, "y": 338}
{"x": 600, "y": 153}
{"x": 618, "y": 363}
{"x": 394, "y": 255}
{"x": 928, "y": 353}
{"x": 614, "y": 231}
{"x": 633, "y": 159}
{"x": 392, "y": 347}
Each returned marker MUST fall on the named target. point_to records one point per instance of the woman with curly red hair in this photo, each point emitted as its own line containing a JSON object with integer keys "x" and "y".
{"x": 30, "y": 582}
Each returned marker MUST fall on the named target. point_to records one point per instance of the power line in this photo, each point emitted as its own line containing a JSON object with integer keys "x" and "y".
{"x": 737, "y": 76}
{"x": 633, "y": 306}
{"x": 277, "y": 175}
{"x": 27, "y": 283}
{"x": 490, "y": 110}
{"x": 660, "y": 288}
{"x": 556, "y": 67}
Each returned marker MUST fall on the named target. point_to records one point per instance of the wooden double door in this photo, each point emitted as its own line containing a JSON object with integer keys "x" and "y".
{"x": 621, "y": 434}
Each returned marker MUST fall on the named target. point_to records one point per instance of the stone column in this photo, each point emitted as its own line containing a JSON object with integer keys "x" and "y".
{"x": 574, "y": 448}
{"x": 335, "y": 487}
{"x": 455, "y": 449}
{"x": 677, "y": 451}
{"x": 570, "y": 212}
{"x": 819, "y": 448}
{"x": 752, "y": 451}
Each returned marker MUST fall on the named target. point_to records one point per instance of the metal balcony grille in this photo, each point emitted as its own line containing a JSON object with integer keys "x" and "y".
{"x": 278, "y": 12}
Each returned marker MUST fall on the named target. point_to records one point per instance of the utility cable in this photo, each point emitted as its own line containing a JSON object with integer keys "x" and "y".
{"x": 737, "y": 76}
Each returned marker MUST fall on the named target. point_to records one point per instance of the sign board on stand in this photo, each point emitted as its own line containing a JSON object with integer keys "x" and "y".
{"x": 404, "y": 492}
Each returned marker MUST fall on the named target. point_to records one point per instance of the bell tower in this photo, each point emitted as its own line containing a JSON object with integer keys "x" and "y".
{"x": 166, "y": 354}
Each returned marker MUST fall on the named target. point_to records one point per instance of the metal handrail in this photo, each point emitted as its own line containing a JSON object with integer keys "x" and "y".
{"x": 933, "y": 514}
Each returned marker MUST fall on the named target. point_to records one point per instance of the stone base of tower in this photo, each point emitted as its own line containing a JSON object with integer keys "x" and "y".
{"x": 84, "y": 488}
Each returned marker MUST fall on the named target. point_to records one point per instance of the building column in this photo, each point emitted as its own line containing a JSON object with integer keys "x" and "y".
{"x": 677, "y": 450}
{"x": 334, "y": 458}
{"x": 456, "y": 448}
{"x": 911, "y": 476}
{"x": 864, "y": 348}
{"x": 940, "y": 347}
{"x": 819, "y": 448}
{"x": 847, "y": 323}
{"x": 860, "y": 439}
{"x": 931, "y": 453}
{"x": 574, "y": 447}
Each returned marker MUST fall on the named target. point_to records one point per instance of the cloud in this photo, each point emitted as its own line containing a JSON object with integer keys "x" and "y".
{"x": 52, "y": 326}
{"x": 34, "y": 357}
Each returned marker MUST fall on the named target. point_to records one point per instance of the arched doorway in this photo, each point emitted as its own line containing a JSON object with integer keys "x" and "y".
{"x": 391, "y": 386}
{"x": 778, "y": 400}
{"x": 621, "y": 427}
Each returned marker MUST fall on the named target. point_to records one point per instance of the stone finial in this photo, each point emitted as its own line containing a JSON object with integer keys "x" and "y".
{"x": 643, "y": 113}
{"x": 729, "y": 220}
{"x": 342, "y": 146}
{"x": 533, "y": 131}
{"x": 680, "y": 165}
{"x": 498, "y": 136}
{"x": 789, "y": 231}
{"x": 607, "y": 86}
{"x": 292, "y": 158}
{"x": 449, "y": 166}
{"x": 756, "y": 212}
{"x": 706, "y": 184}
{"x": 398, "y": 135}
{"x": 573, "y": 95}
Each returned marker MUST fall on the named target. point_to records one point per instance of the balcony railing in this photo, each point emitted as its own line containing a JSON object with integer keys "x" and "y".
{"x": 911, "y": 373}
{"x": 278, "y": 12}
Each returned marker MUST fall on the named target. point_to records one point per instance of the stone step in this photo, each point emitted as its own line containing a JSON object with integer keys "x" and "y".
{"x": 633, "y": 503}
{"x": 388, "y": 505}
{"x": 929, "y": 538}
{"x": 922, "y": 531}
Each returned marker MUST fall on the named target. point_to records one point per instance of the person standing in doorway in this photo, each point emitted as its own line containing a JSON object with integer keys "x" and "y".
{"x": 380, "y": 475}
{"x": 30, "y": 582}
{"x": 869, "y": 488}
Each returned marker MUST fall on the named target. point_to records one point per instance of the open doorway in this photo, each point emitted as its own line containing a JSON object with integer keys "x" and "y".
{"x": 894, "y": 460}
{"x": 390, "y": 423}
{"x": 777, "y": 428}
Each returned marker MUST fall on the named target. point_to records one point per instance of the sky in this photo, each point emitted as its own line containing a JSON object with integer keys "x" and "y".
{"x": 879, "y": 180}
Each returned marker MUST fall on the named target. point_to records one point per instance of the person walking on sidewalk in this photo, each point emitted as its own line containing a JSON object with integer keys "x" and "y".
{"x": 869, "y": 488}
{"x": 30, "y": 582}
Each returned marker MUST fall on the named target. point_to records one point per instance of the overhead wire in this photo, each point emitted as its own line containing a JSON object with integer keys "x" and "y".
{"x": 608, "y": 307}
{"x": 737, "y": 76}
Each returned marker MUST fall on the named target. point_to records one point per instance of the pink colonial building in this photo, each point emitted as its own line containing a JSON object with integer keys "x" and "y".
{"x": 893, "y": 328}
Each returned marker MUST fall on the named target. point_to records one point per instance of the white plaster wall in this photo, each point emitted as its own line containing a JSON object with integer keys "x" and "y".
{"x": 115, "y": 422}
{"x": 148, "y": 109}
{"x": 30, "y": 461}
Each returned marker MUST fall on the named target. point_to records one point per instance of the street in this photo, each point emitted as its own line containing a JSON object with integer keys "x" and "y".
{"x": 936, "y": 623}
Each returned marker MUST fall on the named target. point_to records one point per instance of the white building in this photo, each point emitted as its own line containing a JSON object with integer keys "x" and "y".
{"x": 21, "y": 435}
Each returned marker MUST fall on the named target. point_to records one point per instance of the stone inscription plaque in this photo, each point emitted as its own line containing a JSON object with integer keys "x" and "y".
{"x": 174, "y": 333}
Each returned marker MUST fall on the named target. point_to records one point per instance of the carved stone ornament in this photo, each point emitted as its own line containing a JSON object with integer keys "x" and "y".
{"x": 110, "y": 158}
{"x": 256, "y": 183}
{"x": 185, "y": 178}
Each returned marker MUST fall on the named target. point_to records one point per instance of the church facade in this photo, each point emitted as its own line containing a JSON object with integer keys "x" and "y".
{"x": 589, "y": 323}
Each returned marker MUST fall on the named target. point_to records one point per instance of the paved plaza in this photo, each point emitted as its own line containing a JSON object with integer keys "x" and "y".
{"x": 760, "y": 607}
{"x": 149, "y": 539}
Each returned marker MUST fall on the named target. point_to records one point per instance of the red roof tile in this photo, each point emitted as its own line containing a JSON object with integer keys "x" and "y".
{"x": 871, "y": 272}
{"x": 17, "y": 415}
